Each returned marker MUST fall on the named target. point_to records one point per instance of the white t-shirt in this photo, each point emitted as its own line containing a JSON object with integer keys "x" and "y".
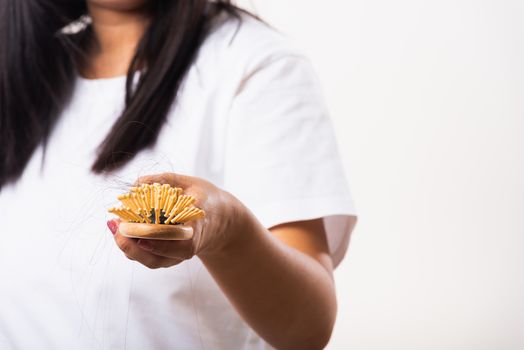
{"x": 250, "y": 118}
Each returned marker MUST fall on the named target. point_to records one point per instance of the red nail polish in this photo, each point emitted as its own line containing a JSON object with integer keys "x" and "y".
{"x": 112, "y": 226}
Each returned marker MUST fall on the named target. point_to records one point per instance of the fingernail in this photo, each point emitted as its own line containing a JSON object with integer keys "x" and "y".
{"x": 112, "y": 226}
{"x": 145, "y": 245}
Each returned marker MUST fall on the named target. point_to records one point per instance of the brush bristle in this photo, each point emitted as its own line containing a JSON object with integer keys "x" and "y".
{"x": 157, "y": 204}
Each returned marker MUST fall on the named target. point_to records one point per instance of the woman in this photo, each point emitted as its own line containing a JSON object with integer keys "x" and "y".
{"x": 156, "y": 89}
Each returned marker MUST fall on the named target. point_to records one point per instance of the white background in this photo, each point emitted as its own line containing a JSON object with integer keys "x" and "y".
{"x": 427, "y": 98}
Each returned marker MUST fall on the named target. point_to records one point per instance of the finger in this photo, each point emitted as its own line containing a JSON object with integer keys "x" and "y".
{"x": 168, "y": 249}
{"x": 175, "y": 180}
{"x": 159, "y": 262}
{"x": 133, "y": 252}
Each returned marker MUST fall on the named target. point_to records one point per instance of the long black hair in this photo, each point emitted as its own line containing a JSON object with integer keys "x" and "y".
{"x": 38, "y": 63}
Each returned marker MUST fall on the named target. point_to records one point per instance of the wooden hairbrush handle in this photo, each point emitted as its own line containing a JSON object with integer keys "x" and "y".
{"x": 155, "y": 231}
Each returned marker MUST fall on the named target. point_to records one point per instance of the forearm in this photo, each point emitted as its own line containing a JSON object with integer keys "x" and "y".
{"x": 287, "y": 297}
{"x": 284, "y": 291}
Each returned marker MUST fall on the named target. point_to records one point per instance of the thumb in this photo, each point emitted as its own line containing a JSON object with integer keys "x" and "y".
{"x": 175, "y": 180}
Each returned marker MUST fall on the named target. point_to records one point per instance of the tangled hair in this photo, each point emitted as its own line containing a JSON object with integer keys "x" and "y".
{"x": 38, "y": 62}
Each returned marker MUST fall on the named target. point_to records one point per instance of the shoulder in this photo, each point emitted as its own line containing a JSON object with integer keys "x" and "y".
{"x": 246, "y": 43}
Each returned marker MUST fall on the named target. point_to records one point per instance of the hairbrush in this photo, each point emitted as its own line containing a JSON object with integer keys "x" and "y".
{"x": 155, "y": 211}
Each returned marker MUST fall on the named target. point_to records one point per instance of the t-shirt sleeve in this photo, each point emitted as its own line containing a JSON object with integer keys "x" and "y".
{"x": 282, "y": 159}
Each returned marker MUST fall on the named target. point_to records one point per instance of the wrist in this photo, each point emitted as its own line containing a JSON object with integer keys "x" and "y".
{"x": 236, "y": 223}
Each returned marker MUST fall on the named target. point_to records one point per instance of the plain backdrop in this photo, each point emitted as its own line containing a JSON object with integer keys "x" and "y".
{"x": 427, "y": 98}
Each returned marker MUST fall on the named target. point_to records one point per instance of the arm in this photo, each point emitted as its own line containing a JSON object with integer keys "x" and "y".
{"x": 280, "y": 282}
{"x": 282, "y": 287}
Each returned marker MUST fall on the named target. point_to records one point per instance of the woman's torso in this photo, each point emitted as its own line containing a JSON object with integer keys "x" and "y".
{"x": 65, "y": 284}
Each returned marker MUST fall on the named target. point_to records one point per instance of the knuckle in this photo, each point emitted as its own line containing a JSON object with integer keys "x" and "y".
{"x": 187, "y": 254}
{"x": 168, "y": 178}
{"x": 159, "y": 178}
{"x": 153, "y": 264}
{"x": 143, "y": 179}
{"x": 125, "y": 246}
{"x": 129, "y": 257}
{"x": 175, "y": 262}
{"x": 165, "y": 175}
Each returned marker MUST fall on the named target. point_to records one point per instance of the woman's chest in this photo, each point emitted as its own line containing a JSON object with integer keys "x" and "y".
{"x": 56, "y": 249}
